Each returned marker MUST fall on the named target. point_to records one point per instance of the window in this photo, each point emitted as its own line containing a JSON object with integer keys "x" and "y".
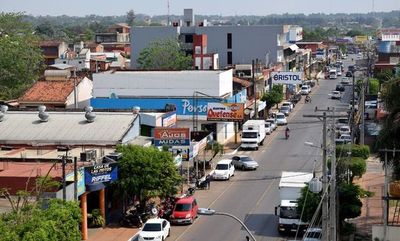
{"x": 229, "y": 56}
{"x": 188, "y": 38}
{"x": 229, "y": 40}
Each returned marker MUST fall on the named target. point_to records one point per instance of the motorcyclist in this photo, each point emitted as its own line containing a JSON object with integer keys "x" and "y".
{"x": 287, "y": 131}
{"x": 308, "y": 99}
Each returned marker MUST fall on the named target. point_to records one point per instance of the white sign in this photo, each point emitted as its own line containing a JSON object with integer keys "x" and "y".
{"x": 292, "y": 78}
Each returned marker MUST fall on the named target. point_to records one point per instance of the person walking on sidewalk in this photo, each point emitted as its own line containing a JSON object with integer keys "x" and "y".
{"x": 208, "y": 181}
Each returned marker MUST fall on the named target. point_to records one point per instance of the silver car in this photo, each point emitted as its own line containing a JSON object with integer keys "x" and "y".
{"x": 244, "y": 163}
{"x": 272, "y": 121}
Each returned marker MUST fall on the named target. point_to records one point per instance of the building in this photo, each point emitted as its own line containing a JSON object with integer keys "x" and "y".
{"x": 117, "y": 37}
{"x": 58, "y": 90}
{"x": 186, "y": 92}
{"x": 80, "y": 61}
{"x": 388, "y": 49}
{"x": 53, "y": 50}
{"x": 233, "y": 44}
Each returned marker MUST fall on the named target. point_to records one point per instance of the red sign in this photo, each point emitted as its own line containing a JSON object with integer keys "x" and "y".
{"x": 171, "y": 136}
{"x": 225, "y": 111}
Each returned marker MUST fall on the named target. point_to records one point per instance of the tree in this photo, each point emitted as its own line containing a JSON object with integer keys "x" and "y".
{"x": 349, "y": 200}
{"x": 164, "y": 54}
{"x": 146, "y": 172}
{"x": 308, "y": 204}
{"x": 130, "y": 17}
{"x": 273, "y": 97}
{"x": 373, "y": 86}
{"x": 21, "y": 60}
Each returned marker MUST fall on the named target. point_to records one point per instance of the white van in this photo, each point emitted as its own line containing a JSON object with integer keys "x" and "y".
{"x": 224, "y": 170}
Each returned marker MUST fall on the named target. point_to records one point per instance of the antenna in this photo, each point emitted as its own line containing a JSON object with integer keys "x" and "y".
{"x": 168, "y": 12}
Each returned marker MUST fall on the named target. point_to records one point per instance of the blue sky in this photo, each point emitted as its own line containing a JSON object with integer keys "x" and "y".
{"x": 206, "y": 7}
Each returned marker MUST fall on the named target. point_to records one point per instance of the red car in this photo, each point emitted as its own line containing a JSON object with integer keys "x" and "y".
{"x": 185, "y": 211}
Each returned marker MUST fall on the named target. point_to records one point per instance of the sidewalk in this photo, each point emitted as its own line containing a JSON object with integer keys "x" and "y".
{"x": 111, "y": 233}
{"x": 372, "y": 209}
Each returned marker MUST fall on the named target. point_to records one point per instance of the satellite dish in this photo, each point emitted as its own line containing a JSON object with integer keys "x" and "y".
{"x": 90, "y": 116}
{"x": 43, "y": 116}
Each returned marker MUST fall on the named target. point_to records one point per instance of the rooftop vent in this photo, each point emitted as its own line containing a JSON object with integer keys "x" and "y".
{"x": 3, "y": 108}
{"x": 90, "y": 116}
{"x": 43, "y": 115}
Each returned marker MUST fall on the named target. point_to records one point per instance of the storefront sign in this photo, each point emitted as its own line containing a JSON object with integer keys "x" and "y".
{"x": 81, "y": 180}
{"x": 225, "y": 111}
{"x": 101, "y": 173}
{"x": 169, "y": 120}
{"x": 165, "y": 136}
{"x": 292, "y": 78}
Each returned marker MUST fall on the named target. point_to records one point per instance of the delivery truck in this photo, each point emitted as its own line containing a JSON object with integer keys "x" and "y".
{"x": 290, "y": 187}
{"x": 253, "y": 134}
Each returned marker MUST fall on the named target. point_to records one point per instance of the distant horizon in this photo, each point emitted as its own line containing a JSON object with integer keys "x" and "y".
{"x": 77, "y": 8}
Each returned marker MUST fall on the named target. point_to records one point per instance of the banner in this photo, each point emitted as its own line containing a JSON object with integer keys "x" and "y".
{"x": 225, "y": 111}
{"x": 291, "y": 78}
{"x": 101, "y": 173}
{"x": 81, "y": 181}
{"x": 164, "y": 136}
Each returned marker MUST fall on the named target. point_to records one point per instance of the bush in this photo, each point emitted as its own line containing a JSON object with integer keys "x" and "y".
{"x": 356, "y": 151}
{"x": 373, "y": 86}
{"x": 357, "y": 165}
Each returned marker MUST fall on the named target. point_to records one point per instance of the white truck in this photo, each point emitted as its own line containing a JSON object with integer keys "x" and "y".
{"x": 332, "y": 74}
{"x": 290, "y": 187}
{"x": 253, "y": 134}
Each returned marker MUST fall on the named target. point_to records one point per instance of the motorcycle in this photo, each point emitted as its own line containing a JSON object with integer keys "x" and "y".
{"x": 131, "y": 218}
{"x": 307, "y": 100}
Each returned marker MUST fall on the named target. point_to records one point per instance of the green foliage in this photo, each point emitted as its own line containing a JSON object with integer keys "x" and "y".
{"x": 21, "y": 58}
{"x": 354, "y": 32}
{"x": 373, "y": 86}
{"x": 349, "y": 200}
{"x": 273, "y": 97}
{"x": 357, "y": 165}
{"x": 96, "y": 219}
{"x": 146, "y": 172}
{"x": 164, "y": 54}
{"x": 356, "y": 150}
{"x": 130, "y": 17}
{"x": 309, "y": 201}
{"x": 46, "y": 220}
{"x": 216, "y": 148}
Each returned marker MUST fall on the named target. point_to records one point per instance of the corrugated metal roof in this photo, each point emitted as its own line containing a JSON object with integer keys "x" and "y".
{"x": 64, "y": 128}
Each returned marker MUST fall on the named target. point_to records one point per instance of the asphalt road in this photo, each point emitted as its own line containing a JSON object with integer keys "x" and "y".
{"x": 252, "y": 195}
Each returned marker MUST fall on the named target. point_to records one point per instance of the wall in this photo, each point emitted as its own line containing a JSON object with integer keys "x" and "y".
{"x": 393, "y": 233}
{"x": 142, "y": 36}
{"x": 161, "y": 83}
{"x": 133, "y": 132}
{"x": 84, "y": 90}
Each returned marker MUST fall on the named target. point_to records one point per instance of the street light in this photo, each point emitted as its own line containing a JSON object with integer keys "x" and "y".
{"x": 210, "y": 212}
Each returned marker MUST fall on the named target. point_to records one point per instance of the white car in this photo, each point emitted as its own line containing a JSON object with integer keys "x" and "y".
{"x": 289, "y": 104}
{"x": 336, "y": 95}
{"x": 224, "y": 170}
{"x": 305, "y": 90}
{"x": 281, "y": 119}
{"x": 268, "y": 128}
{"x": 272, "y": 121}
{"x": 345, "y": 81}
{"x": 343, "y": 139}
{"x": 156, "y": 229}
{"x": 344, "y": 130}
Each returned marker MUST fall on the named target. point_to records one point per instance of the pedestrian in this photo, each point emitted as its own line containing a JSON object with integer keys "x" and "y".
{"x": 208, "y": 181}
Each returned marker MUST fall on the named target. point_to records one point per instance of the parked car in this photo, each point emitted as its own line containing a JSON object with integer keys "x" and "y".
{"x": 349, "y": 74}
{"x": 345, "y": 129}
{"x": 281, "y": 119}
{"x": 336, "y": 95}
{"x": 340, "y": 88}
{"x": 305, "y": 89}
{"x": 355, "y": 105}
{"x": 295, "y": 98}
{"x": 224, "y": 170}
{"x": 272, "y": 121}
{"x": 289, "y": 104}
{"x": 157, "y": 229}
{"x": 345, "y": 81}
{"x": 244, "y": 163}
{"x": 185, "y": 210}
{"x": 343, "y": 139}
{"x": 268, "y": 129}
{"x": 310, "y": 83}
{"x": 285, "y": 110}
{"x": 313, "y": 234}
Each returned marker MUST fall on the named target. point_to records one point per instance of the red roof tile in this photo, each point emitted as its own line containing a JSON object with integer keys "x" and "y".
{"x": 48, "y": 91}
{"x": 29, "y": 169}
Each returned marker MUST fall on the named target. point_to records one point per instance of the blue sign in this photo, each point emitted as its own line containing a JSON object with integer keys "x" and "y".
{"x": 107, "y": 172}
{"x": 184, "y": 106}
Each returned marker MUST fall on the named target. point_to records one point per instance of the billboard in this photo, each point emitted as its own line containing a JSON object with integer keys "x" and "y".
{"x": 106, "y": 172}
{"x": 225, "y": 111}
{"x": 81, "y": 181}
{"x": 169, "y": 120}
{"x": 291, "y": 78}
{"x": 167, "y": 136}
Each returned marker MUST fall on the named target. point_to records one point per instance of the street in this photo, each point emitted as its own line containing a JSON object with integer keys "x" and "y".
{"x": 253, "y": 195}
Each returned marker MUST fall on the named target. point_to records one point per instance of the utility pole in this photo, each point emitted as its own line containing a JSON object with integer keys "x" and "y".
{"x": 386, "y": 192}
{"x": 362, "y": 114}
{"x": 253, "y": 68}
{"x": 352, "y": 109}
{"x": 332, "y": 215}
{"x": 325, "y": 205}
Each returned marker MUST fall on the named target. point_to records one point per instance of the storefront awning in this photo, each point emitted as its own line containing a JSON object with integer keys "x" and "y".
{"x": 294, "y": 47}
{"x": 260, "y": 106}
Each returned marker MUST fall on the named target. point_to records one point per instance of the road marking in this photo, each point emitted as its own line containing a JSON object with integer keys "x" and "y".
{"x": 265, "y": 193}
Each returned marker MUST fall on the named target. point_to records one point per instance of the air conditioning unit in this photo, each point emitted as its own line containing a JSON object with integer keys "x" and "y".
{"x": 88, "y": 155}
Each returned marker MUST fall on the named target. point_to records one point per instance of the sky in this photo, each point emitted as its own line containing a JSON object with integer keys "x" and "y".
{"x": 204, "y": 7}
